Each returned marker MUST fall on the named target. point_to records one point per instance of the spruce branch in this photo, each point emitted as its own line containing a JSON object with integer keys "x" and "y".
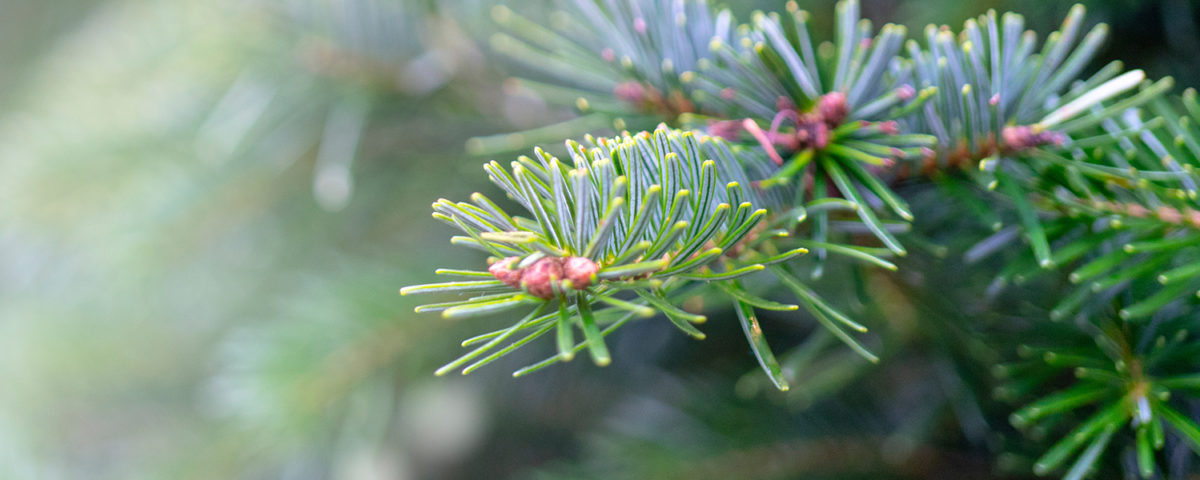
{"x": 1127, "y": 381}
{"x": 828, "y": 123}
{"x": 1096, "y": 173}
{"x": 618, "y": 63}
{"x": 1015, "y": 113}
{"x": 996, "y": 97}
{"x": 631, "y": 224}
{"x": 1123, "y": 221}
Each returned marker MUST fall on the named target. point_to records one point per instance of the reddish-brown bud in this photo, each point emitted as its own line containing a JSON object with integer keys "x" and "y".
{"x": 503, "y": 271}
{"x": 545, "y": 277}
{"x": 539, "y": 279}
{"x": 580, "y": 271}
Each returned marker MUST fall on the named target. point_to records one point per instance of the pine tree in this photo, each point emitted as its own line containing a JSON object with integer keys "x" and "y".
{"x": 750, "y": 156}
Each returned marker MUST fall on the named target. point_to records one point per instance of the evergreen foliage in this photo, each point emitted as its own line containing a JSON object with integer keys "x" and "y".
{"x": 1096, "y": 173}
{"x": 208, "y": 206}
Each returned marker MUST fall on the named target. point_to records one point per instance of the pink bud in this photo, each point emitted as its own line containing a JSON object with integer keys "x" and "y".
{"x": 905, "y": 92}
{"x": 580, "y": 271}
{"x": 727, "y": 93}
{"x": 608, "y": 54}
{"x": 504, "y": 272}
{"x": 632, "y": 92}
{"x": 1016, "y": 138}
{"x": 1023, "y": 137}
{"x": 539, "y": 279}
{"x": 832, "y": 108}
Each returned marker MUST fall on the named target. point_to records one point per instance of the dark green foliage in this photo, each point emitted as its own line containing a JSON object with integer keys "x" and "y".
{"x": 1129, "y": 384}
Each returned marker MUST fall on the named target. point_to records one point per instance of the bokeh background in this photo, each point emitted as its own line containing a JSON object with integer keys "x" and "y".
{"x": 207, "y": 208}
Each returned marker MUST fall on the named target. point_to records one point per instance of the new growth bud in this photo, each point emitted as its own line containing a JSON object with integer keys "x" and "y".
{"x": 539, "y": 279}
{"x": 1024, "y": 137}
{"x": 547, "y": 276}
{"x": 833, "y": 108}
{"x": 503, "y": 271}
{"x": 632, "y": 92}
{"x": 580, "y": 271}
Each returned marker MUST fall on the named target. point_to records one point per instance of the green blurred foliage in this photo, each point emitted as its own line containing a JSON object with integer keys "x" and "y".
{"x": 206, "y": 209}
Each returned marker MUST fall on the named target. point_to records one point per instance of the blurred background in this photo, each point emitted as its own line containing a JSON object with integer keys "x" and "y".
{"x": 207, "y": 208}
